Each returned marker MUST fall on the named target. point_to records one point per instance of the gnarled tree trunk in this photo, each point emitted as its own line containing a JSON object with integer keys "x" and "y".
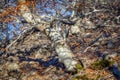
{"x": 62, "y": 49}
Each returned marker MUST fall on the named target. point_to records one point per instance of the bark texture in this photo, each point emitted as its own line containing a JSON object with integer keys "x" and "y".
{"x": 62, "y": 49}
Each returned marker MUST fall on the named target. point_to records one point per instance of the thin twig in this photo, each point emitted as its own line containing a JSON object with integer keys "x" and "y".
{"x": 25, "y": 31}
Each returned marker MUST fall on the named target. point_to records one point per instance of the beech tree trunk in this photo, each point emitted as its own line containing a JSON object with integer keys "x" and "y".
{"x": 62, "y": 49}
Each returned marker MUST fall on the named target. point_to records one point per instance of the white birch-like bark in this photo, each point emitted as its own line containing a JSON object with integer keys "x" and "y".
{"x": 62, "y": 49}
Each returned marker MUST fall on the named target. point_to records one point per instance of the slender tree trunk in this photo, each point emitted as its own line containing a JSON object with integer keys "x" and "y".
{"x": 62, "y": 49}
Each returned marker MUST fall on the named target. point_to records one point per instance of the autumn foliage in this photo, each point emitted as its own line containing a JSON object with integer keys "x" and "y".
{"x": 7, "y": 14}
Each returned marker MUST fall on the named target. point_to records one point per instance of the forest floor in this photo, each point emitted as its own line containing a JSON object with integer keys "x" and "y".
{"x": 33, "y": 57}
